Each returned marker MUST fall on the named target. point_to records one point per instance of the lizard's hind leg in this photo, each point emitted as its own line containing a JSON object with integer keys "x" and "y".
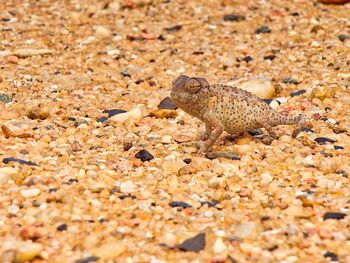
{"x": 302, "y": 123}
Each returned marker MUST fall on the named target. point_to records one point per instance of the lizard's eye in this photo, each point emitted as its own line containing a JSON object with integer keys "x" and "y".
{"x": 192, "y": 86}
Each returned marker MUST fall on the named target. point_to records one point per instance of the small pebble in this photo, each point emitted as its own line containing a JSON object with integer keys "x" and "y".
{"x": 334, "y": 215}
{"x": 338, "y": 147}
{"x": 263, "y": 30}
{"x": 27, "y": 251}
{"x": 62, "y": 227}
{"x": 12, "y": 59}
{"x": 247, "y": 59}
{"x": 102, "y": 119}
{"x": 173, "y": 29}
{"x": 269, "y": 57}
{"x": 297, "y": 93}
{"x": 212, "y": 203}
{"x": 27, "y": 193}
{"x": 249, "y": 230}
{"x": 87, "y": 259}
{"x": 187, "y": 160}
{"x": 219, "y": 246}
{"x": 179, "y": 204}
{"x": 13, "y": 209}
{"x": 233, "y": 17}
{"x": 5, "y": 98}
{"x": 260, "y": 87}
{"x": 322, "y": 92}
{"x": 290, "y": 80}
{"x": 167, "y": 104}
{"x": 144, "y": 155}
{"x": 113, "y": 112}
{"x": 223, "y": 154}
{"x": 194, "y": 244}
{"x": 128, "y": 187}
{"x": 343, "y": 37}
{"x": 323, "y": 140}
{"x": 12, "y": 159}
{"x": 332, "y": 256}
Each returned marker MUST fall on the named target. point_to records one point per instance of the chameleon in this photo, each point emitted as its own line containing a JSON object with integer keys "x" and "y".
{"x": 227, "y": 108}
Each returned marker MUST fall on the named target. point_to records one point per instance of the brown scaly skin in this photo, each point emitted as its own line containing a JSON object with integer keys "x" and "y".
{"x": 226, "y": 108}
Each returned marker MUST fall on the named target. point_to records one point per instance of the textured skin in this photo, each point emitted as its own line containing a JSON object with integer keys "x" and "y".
{"x": 226, "y": 108}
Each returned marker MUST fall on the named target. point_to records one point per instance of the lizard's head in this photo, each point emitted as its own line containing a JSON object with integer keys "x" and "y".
{"x": 189, "y": 85}
{"x": 188, "y": 93}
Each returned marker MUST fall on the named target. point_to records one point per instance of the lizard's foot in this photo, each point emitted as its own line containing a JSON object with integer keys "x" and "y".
{"x": 300, "y": 126}
{"x": 202, "y": 147}
{"x": 233, "y": 136}
{"x": 203, "y": 136}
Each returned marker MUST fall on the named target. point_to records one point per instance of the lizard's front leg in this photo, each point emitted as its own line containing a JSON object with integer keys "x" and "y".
{"x": 271, "y": 132}
{"x": 218, "y": 129}
{"x": 204, "y": 135}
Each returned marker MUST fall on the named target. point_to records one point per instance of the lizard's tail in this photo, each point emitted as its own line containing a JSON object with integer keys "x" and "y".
{"x": 284, "y": 118}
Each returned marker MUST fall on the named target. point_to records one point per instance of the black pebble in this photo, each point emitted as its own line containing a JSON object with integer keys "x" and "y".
{"x": 102, "y": 220}
{"x": 173, "y": 29}
{"x": 194, "y": 244}
{"x": 125, "y": 73}
{"x": 327, "y": 109}
{"x": 264, "y": 218}
{"x": 343, "y": 37}
{"x": 295, "y": 14}
{"x": 247, "y": 59}
{"x": 187, "y": 160}
{"x": 161, "y": 38}
{"x": 331, "y": 255}
{"x": 72, "y": 119}
{"x": 102, "y": 119}
{"x": 323, "y": 140}
{"x": 269, "y": 57}
{"x": 62, "y": 227}
{"x": 334, "y": 215}
{"x": 297, "y": 93}
{"x": 211, "y": 203}
{"x": 144, "y": 155}
{"x": 179, "y": 204}
{"x": 113, "y": 112}
{"x": 342, "y": 173}
{"x": 290, "y": 80}
{"x": 256, "y": 132}
{"x": 327, "y": 154}
{"x": 122, "y": 197}
{"x": 306, "y": 129}
{"x": 167, "y": 104}
{"x": 11, "y": 159}
{"x": 87, "y": 259}
{"x": 338, "y": 147}
{"x": 233, "y": 17}
{"x": 52, "y": 190}
{"x": 268, "y": 101}
{"x": 263, "y": 30}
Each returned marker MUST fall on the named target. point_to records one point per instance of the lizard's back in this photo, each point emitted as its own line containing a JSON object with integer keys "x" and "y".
{"x": 237, "y": 109}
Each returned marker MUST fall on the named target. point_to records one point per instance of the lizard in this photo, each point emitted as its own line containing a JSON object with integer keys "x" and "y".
{"x": 227, "y": 108}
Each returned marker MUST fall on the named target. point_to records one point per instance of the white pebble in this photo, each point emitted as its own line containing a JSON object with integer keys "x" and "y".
{"x": 13, "y": 209}
{"x": 219, "y": 246}
{"x": 30, "y": 192}
{"x": 127, "y": 187}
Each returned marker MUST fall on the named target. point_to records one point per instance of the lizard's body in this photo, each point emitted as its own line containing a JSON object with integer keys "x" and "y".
{"x": 226, "y": 108}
